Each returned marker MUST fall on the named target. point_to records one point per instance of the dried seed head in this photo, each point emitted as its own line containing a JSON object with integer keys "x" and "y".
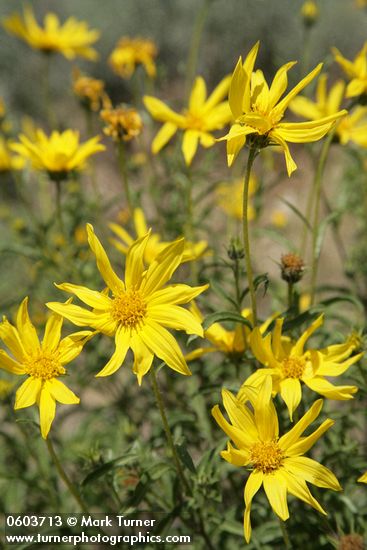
{"x": 292, "y": 267}
{"x": 351, "y": 542}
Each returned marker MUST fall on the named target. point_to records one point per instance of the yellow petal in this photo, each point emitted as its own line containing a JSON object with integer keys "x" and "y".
{"x": 47, "y": 405}
{"x": 248, "y": 67}
{"x": 163, "y": 136}
{"x": 325, "y": 388}
{"x": 276, "y": 490}
{"x": 160, "y": 342}
{"x": 163, "y": 266}
{"x": 306, "y": 132}
{"x": 313, "y": 472}
{"x": 162, "y": 112}
{"x": 304, "y": 107}
{"x": 279, "y": 84}
{"x": 291, "y": 392}
{"x": 134, "y": 268}
{"x": 8, "y": 364}
{"x": 198, "y": 95}
{"x": 189, "y": 145}
{"x": 305, "y": 443}
{"x": 237, "y": 89}
{"x": 52, "y": 333}
{"x": 103, "y": 263}
{"x": 240, "y": 416}
{"x": 27, "y": 394}
{"x": 235, "y": 456}
{"x": 218, "y": 94}
{"x": 143, "y": 357}
{"x": 90, "y": 297}
{"x": 62, "y": 393}
{"x": 363, "y": 478}
{"x": 122, "y": 342}
{"x": 295, "y": 433}
{"x": 84, "y": 318}
{"x": 175, "y": 317}
{"x": 265, "y": 414}
{"x": 238, "y": 436}
{"x": 298, "y": 488}
{"x": 298, "y": 348}
{"x": 278, "y": 138}
{"x": 71, "y": 346}
{"x": 176, "y": 294}
{"x": 10, "y": 337}
{"x": 253, "y": 484}
{"x": 26, "y": 330}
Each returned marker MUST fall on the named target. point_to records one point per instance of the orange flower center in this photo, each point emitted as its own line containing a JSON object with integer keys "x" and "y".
{"x": 293, "y": 367}
{"x": 45, "y": 366}
{"x": 129, "y": 308}
{"x": 266, "y": 456}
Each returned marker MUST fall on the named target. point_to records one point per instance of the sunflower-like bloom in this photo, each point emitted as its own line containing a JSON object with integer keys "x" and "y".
{"x": 192, "y": 251}
{"x": 44, "y": 362}
{"x": 130, "y": 52}
{"x": 258, "y": 111}
{"x": 123, "y": 123}
{"x": 203, "y": 116}
{"x": 289, "y": 364}
{"x": 229, "y": 197}
{"x": 59, "y": 154}
{"x": 277, "y": 463}
{"x": 73, "y": 38}
{"x": 90, "y": 91}
{"x": 140, "y": 308}
{"x": 9, "y": 161}
{"x": 356, "y": 71}
{"x": 233, "y": 343}
{"x": 352, "y": 127}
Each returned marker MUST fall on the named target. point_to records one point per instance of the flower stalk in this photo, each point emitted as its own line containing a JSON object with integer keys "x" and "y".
{"x": 124, "y": 177}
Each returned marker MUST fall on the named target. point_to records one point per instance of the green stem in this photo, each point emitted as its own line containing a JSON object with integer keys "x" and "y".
{"x": 285, "y": 534}
{"x": 245, "y": 226}
{"x": 124, "y": 176}
{"x": 58, "y": 184}
{"x": 69, "y": 484}
{"x": 305, "y": 230}
{"x": 49, "y": 113}
{"x": 316, "y": 191}
{"x": 189, "y": 225}
{"x": 290, "y": 295}
{"x": 159, "y": 400}
{"x": 192, "y": 59}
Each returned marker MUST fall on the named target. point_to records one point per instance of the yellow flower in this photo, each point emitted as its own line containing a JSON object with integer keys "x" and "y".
{"x": 6, "y": 388}
{"x": 289, "y": 364}
{"x": 258, "y": 111}
{"x": 309, "y": 12}
{"x": 140, "y": 308}
{"x": 192, "y": 251}
{"x": 355, "y": 70}
{"x": 231, "y": 342}
{"x": 229, "y": 197}
{"x": 352, "y": 127}
{"x": 279, "y": 218}
{"x": 276, "y": 463}
{"x": 71, "y": 39}
{"x": 361, "y": 3}
{"x": 9, "y": 161}
{"x": 123, "y": 123}
{"x": 363, "y": 478}
{"x": 89, "y": 90}
{"x": 43, "y": 362}
{"x": 130, "y": 52}
{"x": 203, "y": 116}
{"x": 59, "y": 154}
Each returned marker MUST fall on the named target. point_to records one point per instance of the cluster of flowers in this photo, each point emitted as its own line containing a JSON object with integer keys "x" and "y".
{"x": 138, "y": 310}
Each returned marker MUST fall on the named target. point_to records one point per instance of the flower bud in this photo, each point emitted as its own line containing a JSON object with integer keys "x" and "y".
{"x": 292, "y": 267}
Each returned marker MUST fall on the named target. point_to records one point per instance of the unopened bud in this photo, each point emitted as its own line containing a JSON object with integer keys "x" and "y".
{"x": 235, "y": 250}
{"x": 309, "y": 12}
{"x": 292, "y": 267}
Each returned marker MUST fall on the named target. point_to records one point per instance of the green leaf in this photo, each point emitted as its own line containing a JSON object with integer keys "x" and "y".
{"x": 219, "y": 290}
{"x": 225, "y": 316}
{"x": 335, "y": 299}
{"x": 185, "y": 458}
{"x": 297, "y": 212}
{"x": 321, "y": 231}
{"x": 108, "y": 466}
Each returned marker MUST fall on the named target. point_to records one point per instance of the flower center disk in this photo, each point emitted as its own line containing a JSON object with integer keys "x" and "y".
{"x": 266, "y": 456}
{"x": 45, "y": 367}
{"x": 293, "y": 367}
{"x": 129, "y": 308}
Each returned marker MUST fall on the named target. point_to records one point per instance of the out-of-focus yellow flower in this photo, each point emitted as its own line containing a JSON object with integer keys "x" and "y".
{"x": 73, "y": 38}
{"x": 309, "y": 12}
{"x": 43, "y": 362}
{"x": 191, "y": 252}
{"x": 289, "y": 364}
{"x": 18, "y": 224}
{"x": 89, "y": 90}
{"x": 304, "y": 301}
{"x": 59, "y": 154}
{"x": 140, "y": 307}
{"x": 276, "y": 462}
{"x": 6, "y": 388}
{"x": 80, "y": 235}
{"x": 229, "y": 197}
{"x": 203, "y": 116}
{"x": 9, "y": 161}
{"x": 233, "y": 343}
{"x": 130, "y": 52}
{"x": 352, "y": 127}
{"x": 363, "y": 478}
{"x": 258, "y": 110}
{"x": 278, "y": 218}
{"x": 356, "y": 71}
{"x": 361, "y": 3}
{"x": 123, "y": 122}
{"x": 2, "y": 108}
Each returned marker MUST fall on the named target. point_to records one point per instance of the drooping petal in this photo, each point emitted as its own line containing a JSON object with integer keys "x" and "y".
{"x": 163, "y": 345}
{"x": 306, "y": 132}
{"x": 305, "y": 443}
{"x": 26, "y": 330}
{"x": 62, "y": 393}
{"x": 327, "y": 389}
{"x": 92, "y": 298}
{"x": 313, "y": 472}
{"x": 10, "y": 337}
{"x": 278, "y": 138}
{"x": 122, "y": 342}
{"x": 235, "y": 456}
{"x": 103, "y": 263}
{"x": 252, "y": 486}
{"x": 240, "y": 416}
{"x": 276, "y": 490}
{"x": 298, "y": 488}
{"x": 27, "y": 394}
{"x": 291, "y": 392}
{"x": 9, "y": 364}
{"x": 143, "y": 357}
{"x": 47, "y": 406}
{"x": 331, "y": 368}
